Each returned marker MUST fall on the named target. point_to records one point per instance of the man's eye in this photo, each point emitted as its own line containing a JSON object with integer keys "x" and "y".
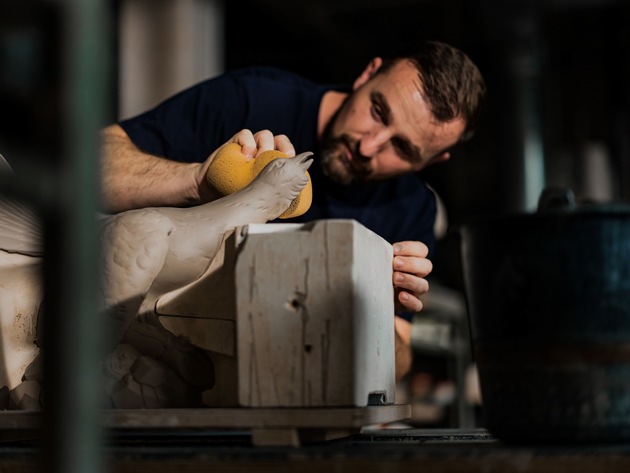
{"x": 377, "y": 112}
{"x": 404, "y": 149}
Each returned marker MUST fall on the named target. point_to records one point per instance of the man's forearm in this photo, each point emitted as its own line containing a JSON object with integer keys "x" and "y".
{"x": 403, "y": 353}
{"x": 133, "y": 179}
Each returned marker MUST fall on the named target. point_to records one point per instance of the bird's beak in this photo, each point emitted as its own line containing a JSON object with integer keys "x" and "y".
{"x": 305, "y": 159}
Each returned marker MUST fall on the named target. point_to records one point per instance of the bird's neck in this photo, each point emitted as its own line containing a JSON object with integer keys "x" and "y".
{"x": 253, "y": 204}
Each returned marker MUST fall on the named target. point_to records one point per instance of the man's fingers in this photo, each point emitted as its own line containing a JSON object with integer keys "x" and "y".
{"x": 411, "y": 248}
{"x": 283, "y": 144}
{"x": 411, "y": 283}
{"x": 253, "y": 144}
{"x": 413, "y": 265}
{"x": 265, "y": 141}
{"x": 405, "y": 302}
{"x": 246, "y": 139}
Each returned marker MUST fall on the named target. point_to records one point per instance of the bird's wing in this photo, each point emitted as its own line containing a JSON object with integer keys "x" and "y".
{"x": 135, "y": 246}
{"x": 20, "y": 228}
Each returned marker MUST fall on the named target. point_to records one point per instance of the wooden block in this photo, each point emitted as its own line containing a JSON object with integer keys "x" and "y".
{"x": 315, "y": 315}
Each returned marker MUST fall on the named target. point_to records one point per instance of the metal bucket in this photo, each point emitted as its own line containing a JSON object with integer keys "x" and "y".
{"x": 549, "y": 304}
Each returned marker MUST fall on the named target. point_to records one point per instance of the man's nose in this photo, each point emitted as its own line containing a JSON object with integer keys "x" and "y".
{"x": 372, "y": 142}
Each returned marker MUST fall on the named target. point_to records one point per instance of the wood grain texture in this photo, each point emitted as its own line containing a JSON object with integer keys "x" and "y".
{"x": 315, "y": 317}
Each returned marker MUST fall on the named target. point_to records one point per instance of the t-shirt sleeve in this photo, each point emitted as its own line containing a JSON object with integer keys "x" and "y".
{"x": 192, "y": 124}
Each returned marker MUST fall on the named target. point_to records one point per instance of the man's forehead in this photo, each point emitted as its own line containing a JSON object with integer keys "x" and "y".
{"x": 402, "y": 74}
{"x": 402, "y": 89}
{"x": 411, "y": 114}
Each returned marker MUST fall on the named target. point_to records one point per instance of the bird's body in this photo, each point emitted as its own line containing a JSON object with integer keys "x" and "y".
{"x": 149, "y": 252}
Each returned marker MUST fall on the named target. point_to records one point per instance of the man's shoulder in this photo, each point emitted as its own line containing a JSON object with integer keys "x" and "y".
{"x": 269, "y": 75}
{"x": 412, "y": 184}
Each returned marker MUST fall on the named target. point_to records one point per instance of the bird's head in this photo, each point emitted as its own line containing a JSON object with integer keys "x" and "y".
{"x": 290, "y": 180}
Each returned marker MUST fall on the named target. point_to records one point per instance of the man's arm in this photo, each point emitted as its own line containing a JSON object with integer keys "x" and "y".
{"x": 133, "y": 179}
{"x": 403, "y": 354}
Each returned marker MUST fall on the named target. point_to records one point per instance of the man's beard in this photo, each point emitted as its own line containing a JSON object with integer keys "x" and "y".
{"x": 333, "y": 159}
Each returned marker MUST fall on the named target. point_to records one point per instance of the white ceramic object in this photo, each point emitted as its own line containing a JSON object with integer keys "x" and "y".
{"x": 147, "y": 252}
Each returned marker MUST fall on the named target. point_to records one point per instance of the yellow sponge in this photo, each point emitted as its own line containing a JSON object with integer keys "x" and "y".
{"x": 230, "y": 171}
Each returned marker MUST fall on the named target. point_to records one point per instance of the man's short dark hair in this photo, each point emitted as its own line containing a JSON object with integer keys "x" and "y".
{"x": 451, "y": 82}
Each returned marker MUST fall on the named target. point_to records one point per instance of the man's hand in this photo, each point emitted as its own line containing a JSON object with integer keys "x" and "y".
{"x": 411, "y": 267}
{"x": 133, "y": 179}
{"x": 252, "y": 145}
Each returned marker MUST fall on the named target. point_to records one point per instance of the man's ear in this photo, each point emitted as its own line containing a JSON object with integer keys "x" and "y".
{"x": 368, "y": 73}
{"x": 440, "y": 158}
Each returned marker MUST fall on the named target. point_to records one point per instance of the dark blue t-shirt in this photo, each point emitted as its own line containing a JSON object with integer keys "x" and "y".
{"x": 194, "y": 123}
